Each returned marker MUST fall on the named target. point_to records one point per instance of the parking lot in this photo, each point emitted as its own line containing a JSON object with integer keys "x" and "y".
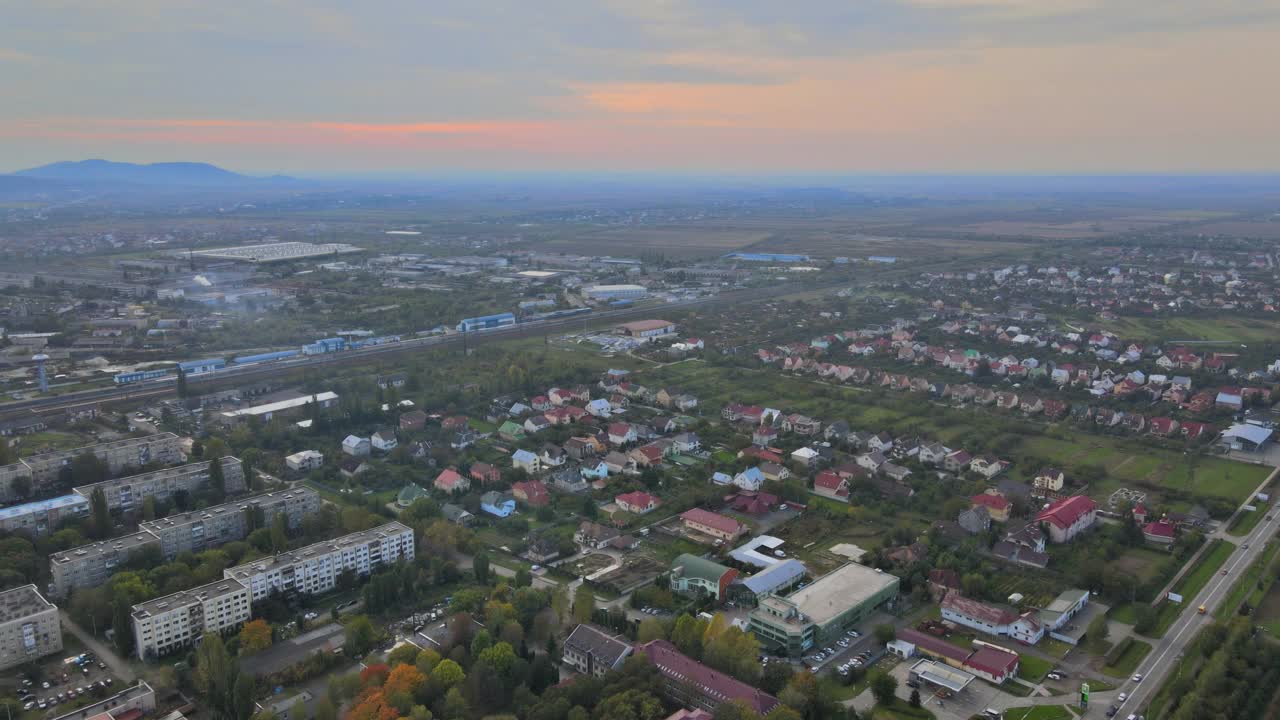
{"x": 60, "y": 684}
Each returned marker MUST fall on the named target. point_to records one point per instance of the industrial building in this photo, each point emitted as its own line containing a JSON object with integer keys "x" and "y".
{"x": 267, "y": 411}
{"x": 646, "y": 329}
{"x": 176, "y": 621}
{"x": 277, "y": 252}
{"x": 822, "y": 611}
{"x": 29, "y": 627}
{"x": 118, "y": 455}
{"x": 127, "y": 493}
{"x": 315, "y": 568}
{"x": 615, "y": 292}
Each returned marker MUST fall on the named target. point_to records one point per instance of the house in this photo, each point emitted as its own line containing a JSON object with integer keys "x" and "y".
{"x": 514, "y": 432}
{"x": 715, "y": 525}
{"x": 457, "y": 515}
{"x": 542, "y": 548}
{"x": 497, "y": 504}
{"x": 463, "y": 439}
{"x": 692, "y": 575}
{"x": 933, "y": 454}
{"x": 579, "y": 448}
{"x": 305, "y": 460}
{"x": 686, "y": 442}
{"x": 413, "y": 420}
{"x": 1049, "y": 480}
{"x": 593, "y": 535}
{"x": 829, "y": 484}
{"x": 647, "y": 456}
{"x": 409, "y": 494}
{"x": 637, "y": 503}
{"x": 1164, "y": 426}
{"x": 750, "y": 479}
{"x": 621, "y": 434}
{"x": 773, "y": 471}
{"x": 764, "y": 435}
{"x": 352, "y": 467}
{"x": 599, "y": 408}
{"x": 356, "y": 446}
{"x": 619, "y": 463}
{"x": 895, "y": 472}
{"x": 991, "y": 619}
{"x": 988, "y": 467}
{"x": 455, "y": 423}
{"x": 553, "y": 455}
{"x": 975, "y": 520}
{"x": 594, "y": 470}
{"x": 997, "y": 505}
{"x": 1031, "y": 405}
{"x": 450, "y": 480}
{"x": 836, "y": 432}
{"x": 801, "y": 424}
{"x": 1159, "y": 532}
{"x": 594, "y": 652}
{"x": 957, "y": 461}
{"x": 532, "y": 424}
{"x": 383, "y": 441}
{"x": 1068, "y": 517}
{"x": 484, "y": 473}
{"x": 805, "y": 457}
{"x": 881, "y": 442}
{"x": 531, "y": 492}
{"x": 527, "y": 461}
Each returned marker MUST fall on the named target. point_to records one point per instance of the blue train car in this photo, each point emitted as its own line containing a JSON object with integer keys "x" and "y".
{"x": 200, "y": 367}
{"x": 139, "y": 376}
{"x": 369, "y": 342}
{"x": 327, "y": 345}
{"x": 487, "y": 322}
{"x": 266, "y": 357}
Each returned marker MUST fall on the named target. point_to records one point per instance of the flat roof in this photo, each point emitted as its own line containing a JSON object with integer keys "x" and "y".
{"x": 247, "y": 570}
{"x": 21, "y": 602}
{"x": 216, "y": 589}
{"x": 223, "y": 509}
{"x": 62, "y": 501}
{"x": 124, "y": 543}
{"x": 942, "y": 675}
{"x": 837, "y": 591}
{"x": 123, "y": 442}
{"x": 1252, "y": 433}
{"x": 776, "y": 576}
{"x": 106, "y": 704}
{"x": 175, "y": 471}
{"x": 268, "y": 252}
{"x": 747, "y": 553}
{"x": 279, "y": 405}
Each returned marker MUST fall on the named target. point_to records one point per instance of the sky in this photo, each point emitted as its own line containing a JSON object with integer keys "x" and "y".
{"x": 313, "y": 87}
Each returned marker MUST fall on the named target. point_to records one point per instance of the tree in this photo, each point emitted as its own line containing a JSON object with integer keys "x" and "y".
{"x": 149, "y": 508}
{"x": 523, "y": 578}
{"x": 122, "y": 626}
{"x": 651, "y": 629}
{"x": 217, "y": 479}
{"x": 448, "y": 674}
{"x": 242, "y": 697}
{"x": 885, "y": 633}
{"x": 884, "y": 687}
{"x": 403, "y": 685}
{"x": 325, "y": 709}
{"x": 100, "y": 513}
{"x": 630, "y": 705}
{"x": 915, "y": 698}
{"x": 584, "y": 603}
{"x": 255, "y": 636}
{"x": 360, "y": 637}
{"x": 454, "y": 705}
{"x": 480, "y": 566}
{"x": 403, "y": 654}
{"x": 182, "y": 384}
{"x": 279, "y": 533}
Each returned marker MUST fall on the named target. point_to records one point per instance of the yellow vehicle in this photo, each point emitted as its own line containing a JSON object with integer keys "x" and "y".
{"x": 1201, "y": 610}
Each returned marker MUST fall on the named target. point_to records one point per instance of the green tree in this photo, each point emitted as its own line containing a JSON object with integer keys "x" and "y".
{"x": 217, "y": 479}
{"x": 915, "y": 698}
{"x": 651, "y": 629}
{"x": 884, "y": 687}
{"x": 480, "y": 566}
{"x": 242, "y": 704}
{"x": 448, "y": 674}
{"x": 182, "y": 384}
{"x": 122, "y": 625}
{"x": 360, "y": 637}
{"x": 630, "y": 705}
{"x": 326, "y": 710}
{"x": 584, "y": 603}
{"x": 885, "y": 633}
{"x": 279, "y": 533}
{"x": 101, "y": 514}
{"x": 1097, "y": 634}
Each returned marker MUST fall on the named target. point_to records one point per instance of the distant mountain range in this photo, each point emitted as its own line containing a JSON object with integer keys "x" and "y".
{"x": 189, "y": 174}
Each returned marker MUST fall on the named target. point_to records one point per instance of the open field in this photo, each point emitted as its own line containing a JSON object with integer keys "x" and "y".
{"x": 1244, "y": 228}
{"x": 1245, "y": 522}
{"x": 1267, "y": 613}
{"x": 1033, "y": 668}
{"x": 1221, "y": 329}
{"x": 1039, "y": 712}
{"x": 1143, "y": 563}
{"x": 674, "y": 242}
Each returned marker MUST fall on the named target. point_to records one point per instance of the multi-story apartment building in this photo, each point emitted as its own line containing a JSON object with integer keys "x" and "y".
{"x": 209, "y": 528}
{"x": 176, "y": 621}
{"x": 316, "y": 568}
{"x": 43, "y": 517}
{"x": 29, "y": 627}
{"x": 127, "y": 493}
{"x": 93, "y": 564}
{"x": 119, "y": 455}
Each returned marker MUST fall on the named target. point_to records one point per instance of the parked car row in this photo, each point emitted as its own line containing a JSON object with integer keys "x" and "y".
{"x": 30, "y": 702}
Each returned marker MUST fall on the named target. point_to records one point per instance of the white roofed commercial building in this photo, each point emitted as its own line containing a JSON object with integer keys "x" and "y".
{"x": 819, "y": 612}
{"x": 269, "y": 410}
{"x": 277, "y": 252}
{"x": 615, "y": 292}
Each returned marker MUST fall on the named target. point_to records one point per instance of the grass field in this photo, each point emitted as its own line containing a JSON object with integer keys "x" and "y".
{"x": 1245, "y": 522}
{"x": 900, "y": 710}
{"x": 1252, "y": 585}
{"x": 1039, "y": 712}
{"x": 1128, "y": 660}
{"x": 1225, "y": 329}
{"x": 1143, "y": 563}
{"x": 1033, "y": 668}
{"x": 1191, "y": 584}
{"x": 1268, "y": 610}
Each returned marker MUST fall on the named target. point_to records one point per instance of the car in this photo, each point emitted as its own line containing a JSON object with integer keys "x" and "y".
{"x": 28, "y": 706}
{"x": 843, "y": 643}
{"x": 1244, "y": 546}
{"x": 1054, "y": 676}
{"x": 1111, "y": 711}
{"x": 1224, "y": 572}
{"x": 26, "y": 682}
{"x": 109, "y": 682}
{"x": 1122, "y": 697}
{"x": 1137, "y": 678}
{"x": 45, "y": 684}
{"x": 42, "y": 704}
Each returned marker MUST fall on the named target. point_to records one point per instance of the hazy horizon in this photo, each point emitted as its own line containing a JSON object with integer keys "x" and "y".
{"x": 398, "y": 90}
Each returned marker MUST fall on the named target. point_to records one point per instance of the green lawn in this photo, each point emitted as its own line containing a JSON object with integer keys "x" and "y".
{"x": 1128, "y": 660}
{"x": 1033, "y": 668}
{"x": 1245, "y": 522}
{"x": 900, "y": 710}
{"x": 1056, "y": 648}
{"x": 1039, "y": 712}
{"x": 1252, "y": 585}
{"x": 1210, "y": 562}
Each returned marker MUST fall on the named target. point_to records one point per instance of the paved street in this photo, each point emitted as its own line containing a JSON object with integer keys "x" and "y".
{"x": 105, "y": 652}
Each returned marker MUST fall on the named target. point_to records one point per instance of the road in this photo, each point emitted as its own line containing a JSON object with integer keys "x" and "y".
{"x": 105, "y": 652}
{"x": 1167, "y": 651}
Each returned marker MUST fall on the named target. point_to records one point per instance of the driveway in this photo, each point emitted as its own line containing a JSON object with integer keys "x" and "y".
{"x": 107, "y": 654}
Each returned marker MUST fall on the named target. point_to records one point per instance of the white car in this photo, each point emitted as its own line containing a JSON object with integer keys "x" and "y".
{"x": 1137, "y": 678}
{"x": 1122, "y": 697}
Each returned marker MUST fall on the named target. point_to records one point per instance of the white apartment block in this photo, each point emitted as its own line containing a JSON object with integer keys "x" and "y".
{"x": 218, "y": 525}
{"x": 29, "y": 627}
{"x": 93, "y": 564}
{"x": 315, "y": 568}
{"x": 127, "y": 493}
{"x": 176, "y": 621}
{"x": 119, "y": 455}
